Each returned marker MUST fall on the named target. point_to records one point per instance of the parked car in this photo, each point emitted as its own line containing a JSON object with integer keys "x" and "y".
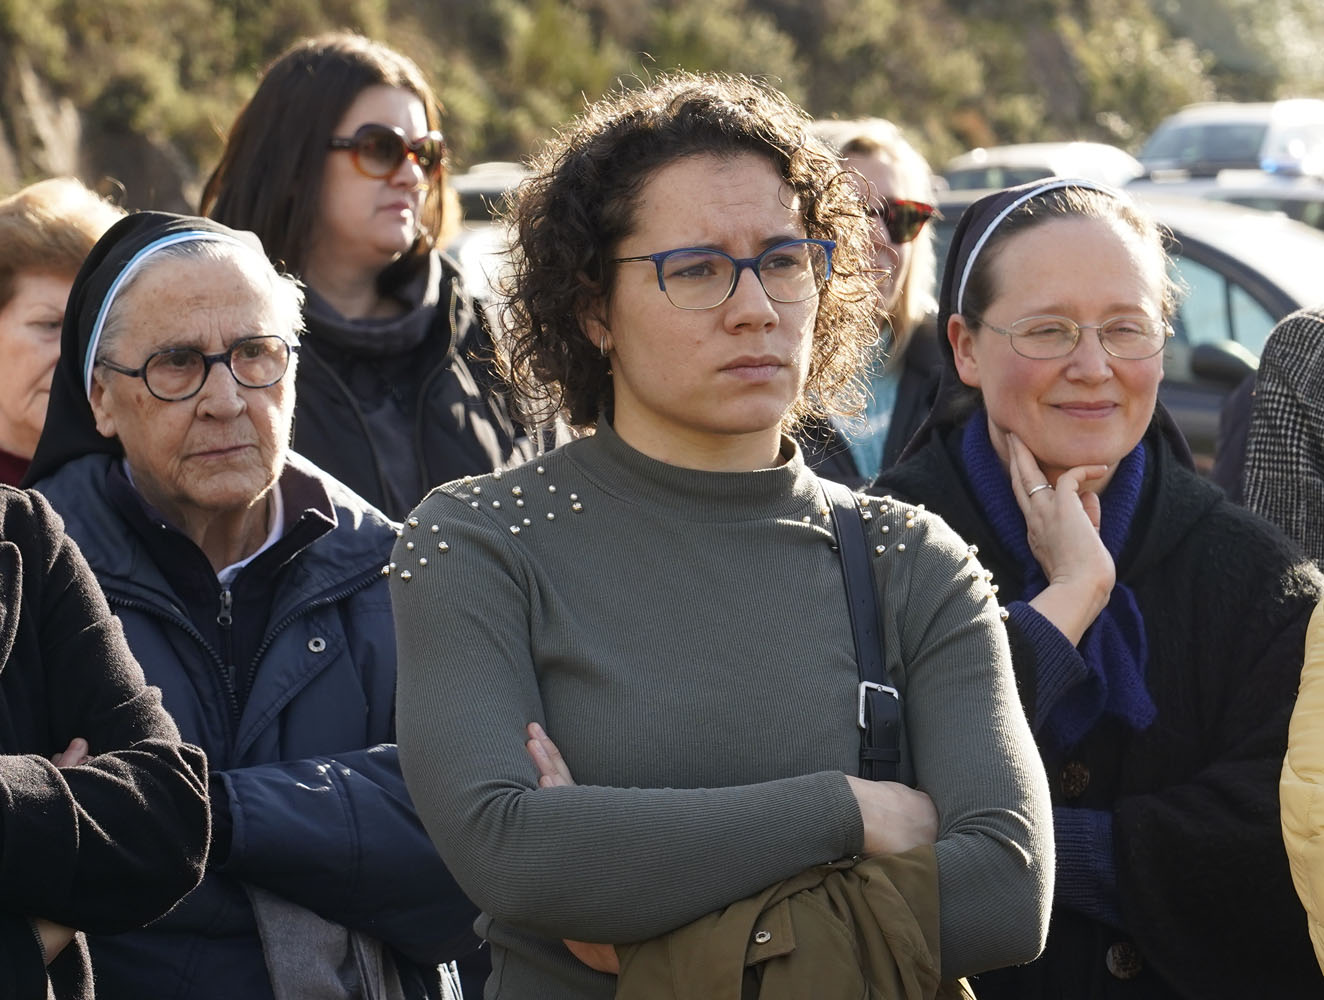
{"x": 1297, "y": 197}
{"x": 1019, "y": 163}
{"x": 483, "y": 187}
{"x": 1244, "y": 270}
{"x": 1275, "y": 136}
{"x": 1303, "y": 203}
{"x": 480, "y": 245}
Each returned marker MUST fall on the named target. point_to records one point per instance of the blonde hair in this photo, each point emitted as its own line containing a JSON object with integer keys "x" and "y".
{"x": 882, "y": 140}
{"x": 49, "y": 227}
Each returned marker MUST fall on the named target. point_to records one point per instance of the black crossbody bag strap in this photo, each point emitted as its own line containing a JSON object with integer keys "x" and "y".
{"x": 878, "y": 704}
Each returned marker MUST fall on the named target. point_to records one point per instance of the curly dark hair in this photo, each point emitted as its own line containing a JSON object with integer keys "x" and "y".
{"x": 578, "y": 205}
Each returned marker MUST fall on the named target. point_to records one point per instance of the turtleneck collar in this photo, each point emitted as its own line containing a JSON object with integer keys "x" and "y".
{"x": 420, "y": 294}
{"x": 694, "y": 494}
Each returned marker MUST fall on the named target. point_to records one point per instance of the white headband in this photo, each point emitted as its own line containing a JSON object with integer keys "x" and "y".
{"x": 134, "y": 265}
{"x": 1051, "y": 185}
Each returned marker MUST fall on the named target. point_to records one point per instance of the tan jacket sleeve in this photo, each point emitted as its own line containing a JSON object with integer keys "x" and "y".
{"x": 1302, "y": 786}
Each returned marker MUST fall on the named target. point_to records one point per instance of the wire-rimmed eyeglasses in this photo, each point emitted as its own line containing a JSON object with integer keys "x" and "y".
{"x": 179, "y": 373}
{"x": 702, "y": 278}
{"x": 1042, "y": 338}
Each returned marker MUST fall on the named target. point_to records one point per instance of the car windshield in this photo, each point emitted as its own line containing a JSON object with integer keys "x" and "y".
{"x": 1232, "y": 143}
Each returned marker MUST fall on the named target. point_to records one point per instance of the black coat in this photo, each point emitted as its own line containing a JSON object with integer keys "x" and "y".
{"x": 1202, "y": 877}
{"x": 111, "y": 844}
{"x": 828, "y": 453}
{"x": 460, "y": 427}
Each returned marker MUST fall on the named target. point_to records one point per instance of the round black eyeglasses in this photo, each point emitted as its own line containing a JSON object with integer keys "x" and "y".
{"x": 179, "y": 373}
{"x": 700, "y": 278}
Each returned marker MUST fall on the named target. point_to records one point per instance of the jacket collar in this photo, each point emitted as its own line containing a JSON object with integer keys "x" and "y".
{"x": 357, "y": 540}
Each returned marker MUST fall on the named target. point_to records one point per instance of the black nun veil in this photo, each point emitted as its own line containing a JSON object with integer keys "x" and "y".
{"x": 70, "y": 429}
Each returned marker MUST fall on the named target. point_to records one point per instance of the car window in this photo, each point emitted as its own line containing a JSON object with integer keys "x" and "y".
{"x": 480, "y": 206}
{"x": 1216, "y": 309}
{"x": 1301, "y": 209}
{"x": 1221, "y": 142}
{"x": 994, "y": 177}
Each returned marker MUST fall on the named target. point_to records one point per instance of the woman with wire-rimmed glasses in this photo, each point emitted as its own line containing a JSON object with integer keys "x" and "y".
{"x": 663, "y": 597}
{"x": 1156, "y": 629}
{"x": 249, "y": 586}
{"x": 338, "y": 164}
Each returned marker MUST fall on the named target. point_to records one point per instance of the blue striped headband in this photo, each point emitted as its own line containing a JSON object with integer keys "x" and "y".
{"x": 134, "y": 265}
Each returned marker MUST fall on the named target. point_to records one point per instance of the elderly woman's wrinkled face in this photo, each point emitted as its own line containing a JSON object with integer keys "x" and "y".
{"x": 29, "y": 349}
{"x": 219, "y": 451}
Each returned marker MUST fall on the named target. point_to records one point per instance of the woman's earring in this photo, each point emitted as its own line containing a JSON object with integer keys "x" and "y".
{"x": 602, "y": 347}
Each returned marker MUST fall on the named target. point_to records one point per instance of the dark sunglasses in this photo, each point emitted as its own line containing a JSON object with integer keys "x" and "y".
{"x": 903, "y": 219}
{"x": 378, "y": 150}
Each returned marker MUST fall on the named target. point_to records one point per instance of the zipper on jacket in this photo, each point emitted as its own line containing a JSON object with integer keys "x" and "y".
{"x": 225, "y": 618}
{"x": 227, "y": 683}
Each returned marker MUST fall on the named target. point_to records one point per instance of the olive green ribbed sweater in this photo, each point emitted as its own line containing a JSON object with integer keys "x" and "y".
{"x": 684, "y": 638}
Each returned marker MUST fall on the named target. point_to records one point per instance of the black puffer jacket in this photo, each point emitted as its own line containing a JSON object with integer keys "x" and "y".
{"x": 449, "y": 421}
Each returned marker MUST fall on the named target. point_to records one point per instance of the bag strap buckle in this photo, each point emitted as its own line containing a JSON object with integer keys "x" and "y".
{"x": 863, "y": 697}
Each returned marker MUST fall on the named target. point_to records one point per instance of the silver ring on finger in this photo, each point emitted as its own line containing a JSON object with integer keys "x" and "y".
{"x": 1041, "y": 486}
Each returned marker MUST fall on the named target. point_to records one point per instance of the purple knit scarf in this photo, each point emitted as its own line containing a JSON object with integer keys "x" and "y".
{"x": 1113, "y": 648}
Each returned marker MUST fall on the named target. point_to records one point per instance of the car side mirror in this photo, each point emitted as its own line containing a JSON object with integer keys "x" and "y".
{"x": 1225, "y": 362}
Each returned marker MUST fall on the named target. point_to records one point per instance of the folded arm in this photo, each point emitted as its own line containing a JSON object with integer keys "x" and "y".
{"x": 339, "y": 835}
{"x": 113, "y": 843}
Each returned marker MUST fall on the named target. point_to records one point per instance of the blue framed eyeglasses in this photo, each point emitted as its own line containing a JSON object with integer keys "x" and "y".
{"x": 702, "y": 278}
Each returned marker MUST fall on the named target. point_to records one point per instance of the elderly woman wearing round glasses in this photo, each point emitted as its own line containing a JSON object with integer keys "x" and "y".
{"x": 338, "y": 165}
{"x": 250, "y": 588}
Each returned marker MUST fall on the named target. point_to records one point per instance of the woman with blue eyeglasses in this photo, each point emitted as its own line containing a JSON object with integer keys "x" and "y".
{"x": 1157, "y": 630}
{"x": 664, "y": 596}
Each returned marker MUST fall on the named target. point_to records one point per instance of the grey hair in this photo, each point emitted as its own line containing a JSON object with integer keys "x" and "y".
{"x": 287, "y": 296}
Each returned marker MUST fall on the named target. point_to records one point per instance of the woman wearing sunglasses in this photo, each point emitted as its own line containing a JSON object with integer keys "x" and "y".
{"x": 1156, "y": 628}
{"x": 664, "y": 595}
{"x": 897, "y": 186}
{"x": 337, "y": 164}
